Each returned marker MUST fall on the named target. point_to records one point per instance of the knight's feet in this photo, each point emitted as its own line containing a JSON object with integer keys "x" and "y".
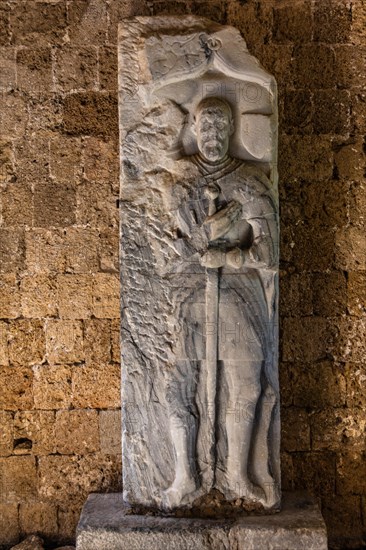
{"x": 242, "y": 487}
{"x": 174, "y": 496}
{"x": 272, "y": 492}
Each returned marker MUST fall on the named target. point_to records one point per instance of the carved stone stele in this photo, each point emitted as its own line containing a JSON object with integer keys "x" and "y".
{"x": 199, "y": 268}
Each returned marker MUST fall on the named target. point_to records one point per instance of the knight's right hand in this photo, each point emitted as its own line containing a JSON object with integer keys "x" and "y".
{"x": 223, "y": 220}
{"x": 213, "y": 258}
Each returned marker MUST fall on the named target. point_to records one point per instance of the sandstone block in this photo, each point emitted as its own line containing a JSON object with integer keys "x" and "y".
{"x": 313, "y": 66}
{"x": 306, "y": 241}
{"x": 315, "y": 472}
{"x": 39, "y": 517}
{"x": 350, "y": 62}
{"x": 4, "y": 26}
{"x": 108, "y": 69}
{"x": 26, "y": 342}
{"x": 110, "y": 432}
{"x": 116, "y": 340}
{"x": 329, "y": 293}
{"x": 16, "y": 388}
{"x": 9, "y": 297}
{"x": 74, "y": 296}
{"x": 34, "y": 70}
{"x": 81, "y": 248}
{"x": 350, "y": 249}
{"x": 118, "y": 11}
{"x": 358, "y": 23}
{"x": 11, "y": 250}
{"x": 87, "y": 22}
{"x": 34, "y": 432}
{"x": 91, "y": 113}
{"x": 4, "y": 354}
{"x": 331, "y": 428}
{"x": 6, "y": 433}
{"x": 32, "y": 155}
{"x": 97, "y": 205}
{"x": 7, "y": 67}
{"x": 65, "y": 158}
{"x": 286, "y": 392}
{"x": 348, "y": 340}
{"x": 293, "y": 23}
{"x": 355, "y": 376}
{"x": 45, "y": 251}
{"x": 358, "y": 118}
{"x": 38, "y": 295}
{"x": 77, "y": 432}
{"x": 7, "y": 165}
{"x": 296, "y": 112}
{"x": 101, "y": 161}
{"x": 343, "y": 517}
{"x": 108, "y": 251}
{"x": 65, "y": 478}
{"x": 18, "y": 478}
{"x": 295, "y": 295}
{"x": 87, "y": 382}
{"x": 9, "y": 523}
{"x": 318, "y": 385}
{"x": 161, "y": 7}
{"x": 332, "y": 21}
{"x": 44, "y": 113}
{"x": 213, "y": 9}
{"x": 331, "y": 112}
{"x": 242, "y": 15}
{"x": 13, "y": 115}
{"x": 277, "y": 59}
{"x": 295, "y": 431}
{"x": 357, "y": 203}
{"x": 318, "y": 209}
{"x": 39, "y": 22}
{"x": 64, "y": 341}
{"x": 106, "y": 292}
{"x": 351, "y": 473}
{"x": 68, "y": 517}
{"x": 52, "y": 386}
{"x": 97, "y": 334}
{"x": 304, "y": 339}
{"x": 286, "y": 471}
{"x": 349, "y": 159}
{"x": 73, "y": 250}
{"x": 17, "y": 205}
{"x": 76, "y": 68}
{"x": 54, "y": 204}
{"x": 313, "y": 156}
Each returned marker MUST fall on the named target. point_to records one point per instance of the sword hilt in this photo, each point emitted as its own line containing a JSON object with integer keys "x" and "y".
{"x": 212, "y": 191}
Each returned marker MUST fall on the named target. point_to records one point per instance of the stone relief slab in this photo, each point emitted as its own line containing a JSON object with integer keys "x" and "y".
{"x": 199, "y": 268}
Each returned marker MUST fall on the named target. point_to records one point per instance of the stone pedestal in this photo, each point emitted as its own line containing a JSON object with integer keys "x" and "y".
{"x": 106, "y": 524}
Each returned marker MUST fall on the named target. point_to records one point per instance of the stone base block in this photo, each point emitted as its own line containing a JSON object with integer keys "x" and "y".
{"x": 106, "y": 524}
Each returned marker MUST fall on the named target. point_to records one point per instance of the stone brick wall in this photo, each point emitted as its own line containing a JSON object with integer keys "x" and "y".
{"x": 59, "y": 300}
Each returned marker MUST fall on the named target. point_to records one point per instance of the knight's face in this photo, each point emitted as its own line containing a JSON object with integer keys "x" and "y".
{"x": 213, "y": 129}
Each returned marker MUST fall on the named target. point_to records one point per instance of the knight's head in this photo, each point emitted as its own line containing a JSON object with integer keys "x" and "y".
{"x": 213, "y": 126}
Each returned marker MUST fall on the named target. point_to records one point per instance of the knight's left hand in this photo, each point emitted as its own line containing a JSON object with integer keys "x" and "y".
{"x": 213, "y": 258}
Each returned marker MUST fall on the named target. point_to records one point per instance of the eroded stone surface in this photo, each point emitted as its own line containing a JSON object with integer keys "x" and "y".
{"x": 105, "y": 523}
{"x": 199, "y": 248}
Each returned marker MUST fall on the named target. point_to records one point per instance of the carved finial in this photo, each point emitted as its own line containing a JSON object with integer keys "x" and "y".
{"x": 213, "y": 43}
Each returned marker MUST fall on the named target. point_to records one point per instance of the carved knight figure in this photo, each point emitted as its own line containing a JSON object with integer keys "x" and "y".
{"x": 199, "y": 268}
{"x": 228, "y": 320}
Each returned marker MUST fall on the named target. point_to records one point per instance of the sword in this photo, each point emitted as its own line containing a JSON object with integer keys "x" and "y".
{"x": 212, "y": 329}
